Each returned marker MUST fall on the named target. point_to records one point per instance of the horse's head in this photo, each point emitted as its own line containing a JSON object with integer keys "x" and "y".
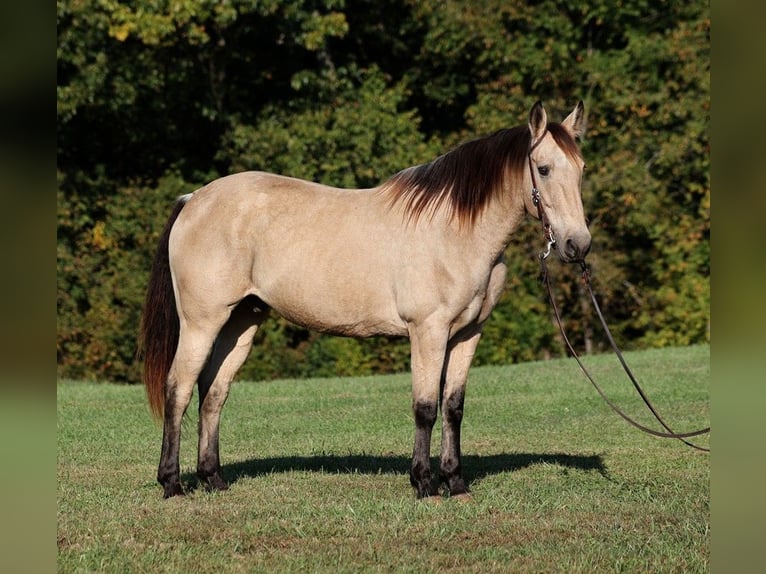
{"x": 556, "y": 167}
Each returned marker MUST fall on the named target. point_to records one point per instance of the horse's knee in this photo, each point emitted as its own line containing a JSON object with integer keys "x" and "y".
{"x": 213, "y": 399}
{"x": 425, "y": 414}
{"x": 452, "y": 408}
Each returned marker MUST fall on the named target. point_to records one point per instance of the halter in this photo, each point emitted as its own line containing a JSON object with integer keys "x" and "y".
{"x": 547, "y": 229}
{"x": 551, "y": 239}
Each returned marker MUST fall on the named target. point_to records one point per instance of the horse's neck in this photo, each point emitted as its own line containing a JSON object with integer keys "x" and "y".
{"x": 487, "y": 235}
{"x": 494, "y": 227}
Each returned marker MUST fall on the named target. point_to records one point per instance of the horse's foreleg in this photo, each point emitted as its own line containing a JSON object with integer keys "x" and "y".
{"x": 231, "y": 349}
{"x": 191, "y": 355}
{"x": 428, "y": 350}
{"x": 459, "y": 358}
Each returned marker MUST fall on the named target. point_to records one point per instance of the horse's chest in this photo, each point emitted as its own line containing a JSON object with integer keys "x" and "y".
{"x": 469, "y": 315}
{"x": 480, "y": 305}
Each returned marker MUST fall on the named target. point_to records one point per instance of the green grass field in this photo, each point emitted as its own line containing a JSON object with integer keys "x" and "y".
{"x": 319, "y": 483}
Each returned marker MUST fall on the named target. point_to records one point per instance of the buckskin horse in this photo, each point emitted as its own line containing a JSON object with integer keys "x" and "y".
{"x": 420, "y": 256}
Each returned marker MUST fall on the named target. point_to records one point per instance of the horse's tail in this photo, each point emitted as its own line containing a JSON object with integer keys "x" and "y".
{"x": 160, "y": 327}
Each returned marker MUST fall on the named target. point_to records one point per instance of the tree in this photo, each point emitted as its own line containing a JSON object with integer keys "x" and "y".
{"x": 155, "y": 98}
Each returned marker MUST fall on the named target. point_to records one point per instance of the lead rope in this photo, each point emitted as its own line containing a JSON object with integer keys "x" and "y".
{"x": 547, "y": 230}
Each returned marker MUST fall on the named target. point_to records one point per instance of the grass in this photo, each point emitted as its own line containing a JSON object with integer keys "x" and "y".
{"x": 318, "y": 474}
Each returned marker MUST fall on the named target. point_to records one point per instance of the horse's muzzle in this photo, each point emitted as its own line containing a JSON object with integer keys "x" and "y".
{"x": 576, "y": 247}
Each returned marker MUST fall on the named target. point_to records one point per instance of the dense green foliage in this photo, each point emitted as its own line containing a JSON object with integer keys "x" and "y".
{"x": 157, "y": 97}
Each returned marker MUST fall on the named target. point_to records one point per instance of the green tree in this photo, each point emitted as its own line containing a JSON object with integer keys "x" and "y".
{"x": 651, "y": 189}
{"x": 157, "y": 97}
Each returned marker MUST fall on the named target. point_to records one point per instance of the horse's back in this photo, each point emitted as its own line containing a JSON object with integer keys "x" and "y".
{"x": 323, "y": 257}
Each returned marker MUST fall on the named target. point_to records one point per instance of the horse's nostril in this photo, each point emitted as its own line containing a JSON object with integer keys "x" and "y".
{"x": 576, "y": 248}
{"x": 571, "y": 249}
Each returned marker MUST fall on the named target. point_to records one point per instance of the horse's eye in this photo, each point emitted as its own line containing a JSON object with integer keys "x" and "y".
{"x": 544, "y": 170}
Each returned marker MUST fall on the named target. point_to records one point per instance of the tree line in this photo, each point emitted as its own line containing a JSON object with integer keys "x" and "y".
{"x": 158, "y": 97}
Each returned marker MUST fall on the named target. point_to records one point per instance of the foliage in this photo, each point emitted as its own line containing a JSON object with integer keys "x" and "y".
{"x": 157, "y": 97}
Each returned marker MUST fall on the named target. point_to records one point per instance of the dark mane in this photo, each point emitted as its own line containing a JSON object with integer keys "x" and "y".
{"x": 467, "y": 178}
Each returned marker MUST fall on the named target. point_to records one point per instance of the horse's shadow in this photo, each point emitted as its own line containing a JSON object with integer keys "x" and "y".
{"x": 475, "y": 467}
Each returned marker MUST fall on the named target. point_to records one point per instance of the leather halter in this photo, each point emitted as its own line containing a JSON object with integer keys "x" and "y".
{"x": 551, "y": 239}
{"x": 547, "y": 229}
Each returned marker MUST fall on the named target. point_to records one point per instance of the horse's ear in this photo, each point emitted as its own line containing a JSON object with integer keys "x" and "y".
{"x": 538, "y": 122}
{"x": 575, "y": 122}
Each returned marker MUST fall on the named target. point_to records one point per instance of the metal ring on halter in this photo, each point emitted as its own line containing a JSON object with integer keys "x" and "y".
{"x": 551, "y": 243}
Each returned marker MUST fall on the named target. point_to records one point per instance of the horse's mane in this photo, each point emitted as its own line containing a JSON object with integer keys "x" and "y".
{"x": 466, "y": 179}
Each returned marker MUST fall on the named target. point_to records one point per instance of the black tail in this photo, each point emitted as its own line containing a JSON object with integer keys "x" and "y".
{"x": 159, "y": 324}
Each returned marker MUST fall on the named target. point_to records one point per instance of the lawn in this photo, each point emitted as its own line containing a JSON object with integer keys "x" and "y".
{"x": 318, "y": 474}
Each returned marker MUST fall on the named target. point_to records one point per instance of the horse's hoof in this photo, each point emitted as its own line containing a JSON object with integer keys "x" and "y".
{"x": 463, "y": 497}
{"x": 173, "y": 489}
{"x": 214, "y": 483}
{"x": 432, "y": 499}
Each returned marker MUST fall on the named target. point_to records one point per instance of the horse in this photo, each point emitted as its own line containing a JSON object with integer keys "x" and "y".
{"x": 420, "y": 256}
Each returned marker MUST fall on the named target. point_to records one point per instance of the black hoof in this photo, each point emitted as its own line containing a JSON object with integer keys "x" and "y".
{"x": 173, "y": 489}
{"x": 457, "y": 486}
{"x": 214, "y": 482}
{"x": 425, "y": 490}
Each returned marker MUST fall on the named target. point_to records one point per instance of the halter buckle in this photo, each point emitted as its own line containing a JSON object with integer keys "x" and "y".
{"x": 546, "y": 227}
{"x": 551, "y": 243}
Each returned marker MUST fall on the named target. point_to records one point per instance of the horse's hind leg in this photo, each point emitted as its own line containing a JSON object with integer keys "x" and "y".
{"x": 194, "y": 345}
{"x": 459, "y": 358}
{"x": 230, "y": 351}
